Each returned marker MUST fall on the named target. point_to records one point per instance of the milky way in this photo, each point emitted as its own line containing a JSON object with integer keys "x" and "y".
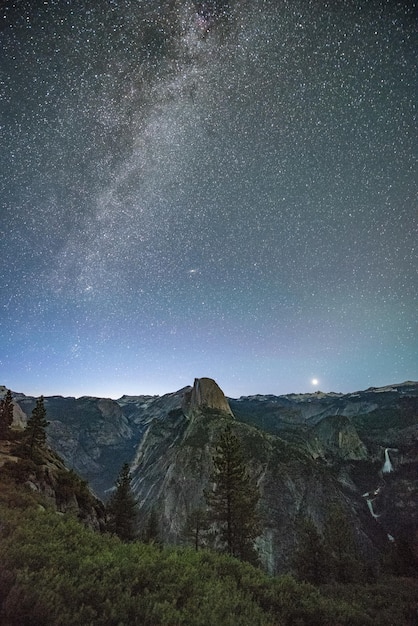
{"x": 223, "y": 189}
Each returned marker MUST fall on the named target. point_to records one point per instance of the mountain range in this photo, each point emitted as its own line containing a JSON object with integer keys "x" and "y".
{"x": 305, "y": 451}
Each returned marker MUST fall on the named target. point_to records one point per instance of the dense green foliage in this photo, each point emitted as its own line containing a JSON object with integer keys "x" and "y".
{"x": 68, "y": 485}
{"x": 57, "y": 572}
{"x": 311, "y": 561}
{"x": 331, "y": 558}
{"x": 6, "y": 414}
{"x": 196, "y": 527}
{"x": 151, "y": 533}
{"x": 234, "y": 498}
{"x": 30, "y": 463}
{"x": 54, "y": 571}
{"x": 121, "y": 509}
{"x": 344, "y": 560}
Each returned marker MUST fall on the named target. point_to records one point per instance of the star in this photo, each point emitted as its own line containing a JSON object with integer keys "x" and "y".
{"x": 207, "y": 189}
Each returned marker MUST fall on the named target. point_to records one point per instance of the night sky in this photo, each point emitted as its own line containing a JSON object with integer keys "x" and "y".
{"x": 222, "y": 189}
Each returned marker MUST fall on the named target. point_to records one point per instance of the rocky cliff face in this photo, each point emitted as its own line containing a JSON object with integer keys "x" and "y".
{"x": 312, "y": 460}
{"x": 335, "y": 436}
{"x": 175, "y": 463}
{"x": 304, "y": 451}
{"x": 174, "y": 459}
{"x": 60, "y": 488}
{"x": 205, "y": 394}
{"x": 19, "y": 417}
{"x": 92, "y": 435}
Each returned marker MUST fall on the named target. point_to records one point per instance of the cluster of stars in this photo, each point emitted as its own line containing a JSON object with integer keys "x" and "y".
{"x": 234, "y": 201}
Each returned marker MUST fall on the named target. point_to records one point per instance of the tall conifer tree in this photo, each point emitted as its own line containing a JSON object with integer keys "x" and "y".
{"x": 343, "y": 557}
{"x": 151, "y": 532}
{"x": 311, "y": 558}
{"x": 35, "y": 432}
{"x": 234, "y": 498}
{"x": 196, "y": 527}
{"x": 6, "y": 415}
{"x": 121, "y": 509}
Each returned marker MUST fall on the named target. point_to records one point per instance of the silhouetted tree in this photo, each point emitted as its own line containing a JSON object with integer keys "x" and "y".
{"x": 121, "y": 509}
{"x": 151, "y": 532}
{"x": 196, "y": 526}
{"x": 401, "y": 557}
{"x": 344, "y": 562}
{"x": 35, "y": 431}
{"x": 234, "y": 498}
{"x": 6, "y": 414}
{"x": 311, "y": 559}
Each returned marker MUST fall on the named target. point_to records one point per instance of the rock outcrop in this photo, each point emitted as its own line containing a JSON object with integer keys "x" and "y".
{"x": 175, "y": 463}
{"x": 305, "y": 451}
{"x": 336, "y": 436}
{"x": 205, "y": 394}
{"x": 92, "y": 435}
{"x": 19, "y": 417}
{"x": 60, "y": 488}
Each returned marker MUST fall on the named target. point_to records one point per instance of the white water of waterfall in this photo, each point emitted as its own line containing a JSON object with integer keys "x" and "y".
{"x": 370, "y": 497}
{"x": 370, "y": 505}
{"x": 387, "y": 467}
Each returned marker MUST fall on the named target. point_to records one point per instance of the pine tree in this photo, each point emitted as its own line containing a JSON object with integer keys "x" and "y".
{"x": 121, "y": 509}
{"x": 343, "y": 558}
{"x": 6, "y": 415}
{"x": 311, "y": 560}
{"x": 35, "y": 432}
{"x": 196, "y": 526}
{"x": 151, "y": 532}
{"x": 234, "y": 499}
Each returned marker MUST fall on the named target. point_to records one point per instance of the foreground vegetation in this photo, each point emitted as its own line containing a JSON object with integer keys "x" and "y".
{"x": 55, "y": 571}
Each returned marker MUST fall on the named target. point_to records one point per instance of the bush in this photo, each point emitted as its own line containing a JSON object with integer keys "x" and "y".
{"x": 54, "y": 571}
{"x": 21, "y": 470}
{"x": 69, "y": 484}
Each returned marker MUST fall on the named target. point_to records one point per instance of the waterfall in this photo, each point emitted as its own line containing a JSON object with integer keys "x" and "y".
{"x": 370, "y": 505}
{"x": 370, "y": 501}
{"x": 387, "y": 467}
{"x": 370, "y": 496}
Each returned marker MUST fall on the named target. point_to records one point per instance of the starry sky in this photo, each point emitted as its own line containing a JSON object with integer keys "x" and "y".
{"x": 222, "y": 189}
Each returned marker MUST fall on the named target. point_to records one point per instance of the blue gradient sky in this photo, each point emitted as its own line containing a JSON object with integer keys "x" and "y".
{"x": 229, "y": 193}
